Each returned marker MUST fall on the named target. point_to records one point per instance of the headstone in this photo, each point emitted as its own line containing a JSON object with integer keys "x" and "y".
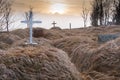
{"x": 54, "y": 23}
{"x": 30, "y": 23}
{"x": 106, "y": 37}
{"x": 70, "y": 26}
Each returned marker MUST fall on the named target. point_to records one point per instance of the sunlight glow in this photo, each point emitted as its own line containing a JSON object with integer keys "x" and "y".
{"x": 58, "y": 8}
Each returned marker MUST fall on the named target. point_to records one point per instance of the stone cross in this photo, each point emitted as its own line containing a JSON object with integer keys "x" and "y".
{"x": 54, "y": 23}
{"x": 30, "y": 23}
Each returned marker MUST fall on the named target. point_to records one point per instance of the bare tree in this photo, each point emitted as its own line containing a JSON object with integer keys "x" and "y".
{"x": 5, "y": 14}
{"x": 8, "y": 15}
{"x": 85, "y": 13}
{"x": 101, "y": 12}
{"x": 2, "y": 6}
{"x": 117, "y": 12}
{"x": 27, "y": 15}
{"x": 108, "y": 10}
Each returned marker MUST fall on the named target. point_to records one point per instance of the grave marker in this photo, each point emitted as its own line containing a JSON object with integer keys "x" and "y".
{"x": 54, "y": 23}
{"x": 30, "y": 23}
{"x": 70, "y": 26}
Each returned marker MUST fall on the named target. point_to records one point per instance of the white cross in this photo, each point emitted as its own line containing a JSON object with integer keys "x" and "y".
{"x": 30, "y": 23}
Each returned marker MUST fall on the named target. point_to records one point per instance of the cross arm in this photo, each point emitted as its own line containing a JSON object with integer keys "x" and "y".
{"x": 37, "y": 21}
{"x": 24, "y": 21}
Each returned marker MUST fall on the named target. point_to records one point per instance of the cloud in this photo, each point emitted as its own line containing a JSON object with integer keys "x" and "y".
{"x": 43, "y": 6}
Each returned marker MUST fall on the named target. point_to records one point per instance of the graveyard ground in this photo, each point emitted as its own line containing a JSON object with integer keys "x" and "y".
{"x": 74, "y": 54}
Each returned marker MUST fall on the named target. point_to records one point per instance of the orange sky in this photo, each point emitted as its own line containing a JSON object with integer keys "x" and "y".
{"x": 69, "y": 7}
{"x": 67, "y": 11}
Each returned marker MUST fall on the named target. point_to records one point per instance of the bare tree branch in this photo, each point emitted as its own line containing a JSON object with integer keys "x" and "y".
{"x": 5, "y": 14}
{"x": 85, "y": 13}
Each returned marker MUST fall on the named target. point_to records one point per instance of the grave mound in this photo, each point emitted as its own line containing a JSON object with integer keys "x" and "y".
{"x": 37, "y": 63}
{"x": 39, "y": 32}
{"x": 54, "y": 34}
{"x": 68, "y": 44}
{"x": 6, "y": 40}
{"x": 22, "y": 33}
{"x": 104, "y": 60}
{"x": 39, "y": 41}
{"x": 48, "y": 33}
{"x": 56, "y": 28}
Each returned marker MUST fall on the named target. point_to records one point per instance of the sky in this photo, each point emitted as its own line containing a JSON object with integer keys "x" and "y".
{"x": 72, "y": 7}
{"x": 61, "y": 11}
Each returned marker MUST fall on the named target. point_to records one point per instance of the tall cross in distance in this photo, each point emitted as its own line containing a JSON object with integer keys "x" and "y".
{"x": 54, "y": 23}
{"x": 29, "y": 21}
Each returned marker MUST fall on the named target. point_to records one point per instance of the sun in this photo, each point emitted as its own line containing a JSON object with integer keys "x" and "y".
{"x": 58, "y": 8}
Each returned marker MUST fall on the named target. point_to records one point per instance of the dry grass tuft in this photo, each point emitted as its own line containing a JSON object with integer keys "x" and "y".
{"x": 6, "y": 40}
{"x": 70, "y": 44}
{"x": 54, "y": 34}
{"x": 92, "y": 61}
{"x": 104, "y": 60}
{"x": 37, "y": 63}
{"x": 22, "y": 33}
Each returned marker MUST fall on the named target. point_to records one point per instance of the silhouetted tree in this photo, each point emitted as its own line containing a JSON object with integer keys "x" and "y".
{"x": 101, "y": 12}
{"x": 117, "y": 12}
{"x": 95, "y": 13}
{"x": 108, "y": 10}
